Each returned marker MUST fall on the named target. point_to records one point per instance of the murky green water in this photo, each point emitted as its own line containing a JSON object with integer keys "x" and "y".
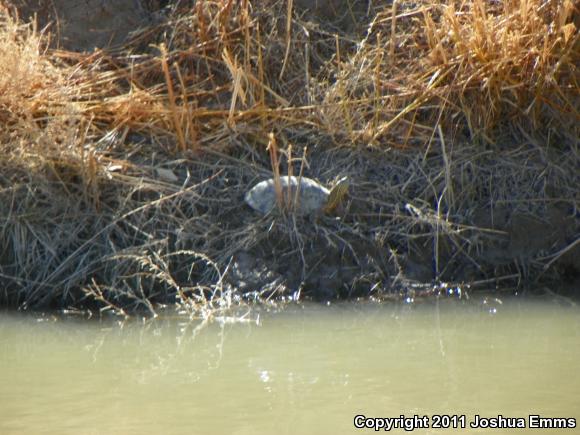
{"x": 307, "y": 370}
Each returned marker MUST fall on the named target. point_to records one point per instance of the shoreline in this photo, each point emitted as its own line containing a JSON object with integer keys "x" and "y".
{"x": 126, "y": 168}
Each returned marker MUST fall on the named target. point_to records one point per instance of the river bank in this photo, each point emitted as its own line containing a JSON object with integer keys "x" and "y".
{"x": 125, "y": 167}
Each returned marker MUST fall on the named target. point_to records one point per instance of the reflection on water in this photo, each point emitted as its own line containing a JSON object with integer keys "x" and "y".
{"x": 308, "y": 370}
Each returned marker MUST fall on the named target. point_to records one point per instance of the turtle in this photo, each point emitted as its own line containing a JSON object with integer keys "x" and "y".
{"x": 312, "y": 198}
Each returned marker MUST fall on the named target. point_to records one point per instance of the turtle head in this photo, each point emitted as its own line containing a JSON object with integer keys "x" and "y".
{"x": 337, "y": 194}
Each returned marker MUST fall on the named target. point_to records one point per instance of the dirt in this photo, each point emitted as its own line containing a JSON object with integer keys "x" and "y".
{"x": 84, "y": 25}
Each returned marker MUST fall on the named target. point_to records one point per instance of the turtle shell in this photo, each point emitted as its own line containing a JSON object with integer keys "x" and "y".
{"x": 312, "y": 196}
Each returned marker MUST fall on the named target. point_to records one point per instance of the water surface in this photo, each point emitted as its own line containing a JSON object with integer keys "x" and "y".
{"x": 306, "y": 370}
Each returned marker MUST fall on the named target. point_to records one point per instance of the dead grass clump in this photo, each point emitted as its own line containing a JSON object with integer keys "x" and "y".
{"x": 212, "y": 69}
{"x": 36, "y": 108}
{"x": 474, "y": 67}
{"x": 206, "y": 69}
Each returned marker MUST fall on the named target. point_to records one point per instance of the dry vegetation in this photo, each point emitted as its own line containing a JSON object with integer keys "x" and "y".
{"x": 123, "y": 171}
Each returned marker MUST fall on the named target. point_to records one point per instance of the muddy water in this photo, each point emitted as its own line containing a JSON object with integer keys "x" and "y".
{"x": 307, "y": 370}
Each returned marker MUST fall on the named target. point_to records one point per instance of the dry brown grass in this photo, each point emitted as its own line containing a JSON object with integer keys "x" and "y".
{"x": 123, "y": 171}
{"x": 474, "y": 67}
